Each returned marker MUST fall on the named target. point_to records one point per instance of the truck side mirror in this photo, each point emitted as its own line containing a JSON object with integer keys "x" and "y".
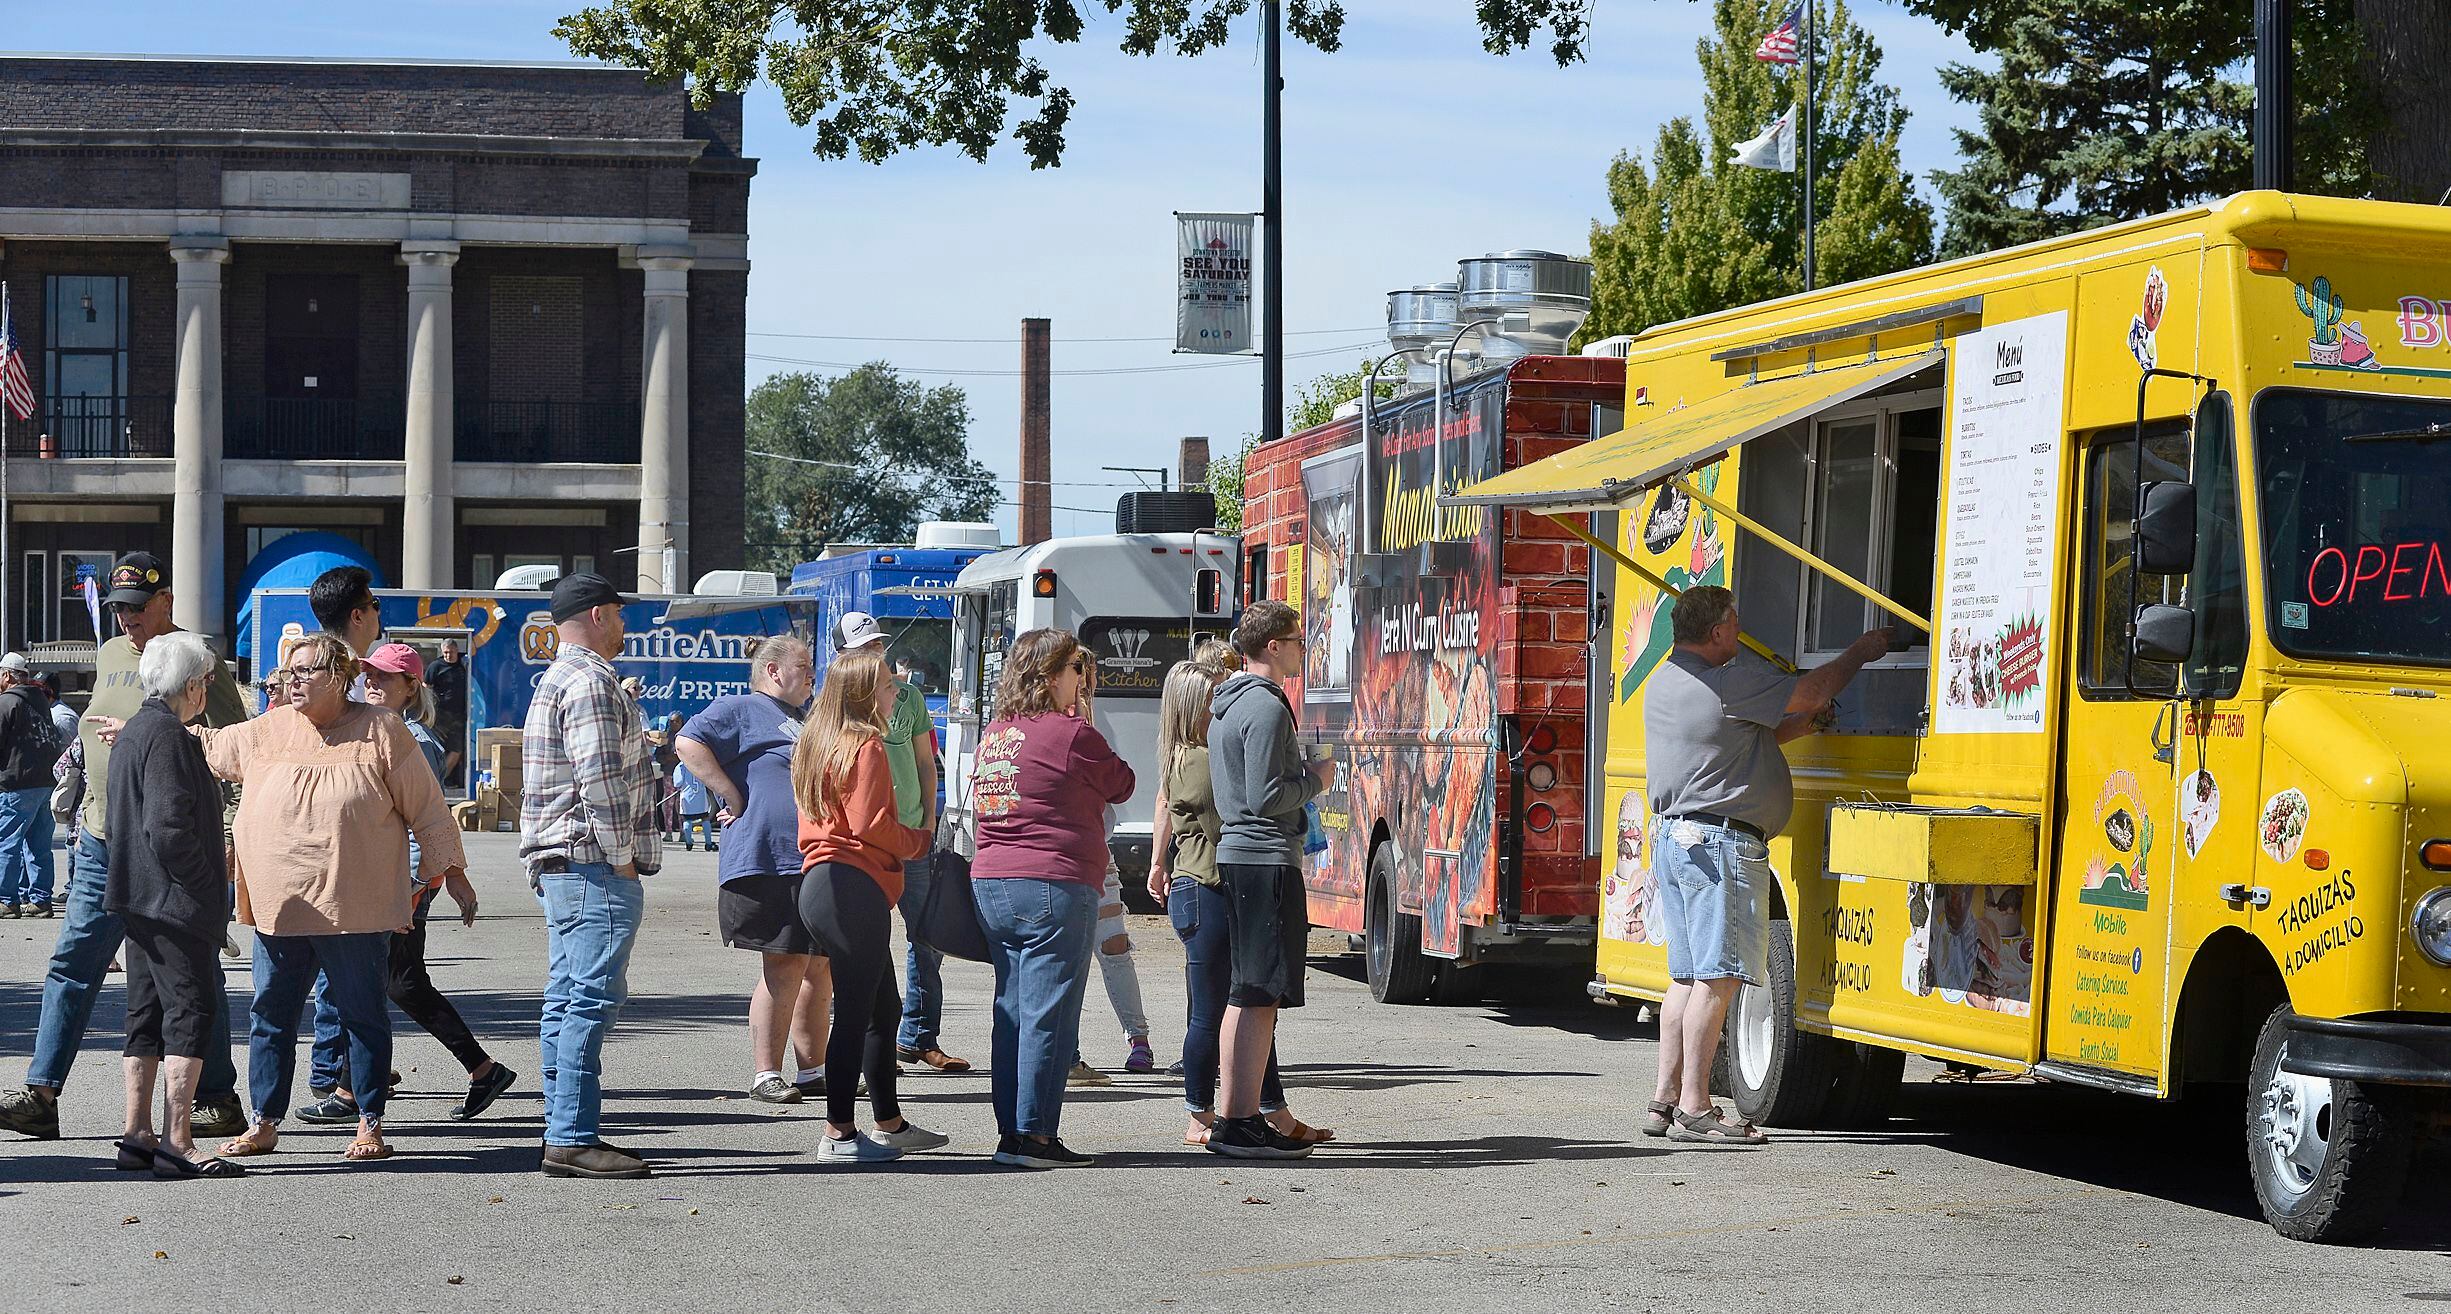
{"x": 2164, "y": 633}
{"x": 2165, "y": 527}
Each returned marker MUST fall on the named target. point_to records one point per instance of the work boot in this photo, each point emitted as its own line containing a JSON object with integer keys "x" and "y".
{"x": 592, "y": 1161}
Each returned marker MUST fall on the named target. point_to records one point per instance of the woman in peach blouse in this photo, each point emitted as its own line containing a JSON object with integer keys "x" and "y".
{"x": 333, "y": 789}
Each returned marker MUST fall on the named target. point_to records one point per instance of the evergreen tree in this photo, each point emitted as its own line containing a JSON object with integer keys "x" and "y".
{"x": 1695, "y": 233}
{"x": 2103, "y": 110}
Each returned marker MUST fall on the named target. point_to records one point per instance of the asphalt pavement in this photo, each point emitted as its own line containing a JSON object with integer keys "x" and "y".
{"x": 1486, "y": 1158}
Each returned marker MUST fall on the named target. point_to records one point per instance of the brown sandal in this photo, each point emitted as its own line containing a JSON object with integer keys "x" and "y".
{"x": 368, "y": 1147}
{"x": 1309, "y": 1135}
{"x": 1708, "y": 1128}
{"x": 1657, "y": 1119}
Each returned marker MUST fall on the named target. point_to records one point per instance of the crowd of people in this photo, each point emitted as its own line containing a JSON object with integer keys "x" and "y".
{"x": 323, "y": 825}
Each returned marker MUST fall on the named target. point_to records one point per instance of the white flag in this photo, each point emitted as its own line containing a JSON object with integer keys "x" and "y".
{"x": 1774, "y": 150}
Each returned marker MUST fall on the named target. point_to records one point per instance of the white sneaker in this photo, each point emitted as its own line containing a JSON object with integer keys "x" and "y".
{"x": 859, "y": 1149}
{"x": 912, "y": 1139}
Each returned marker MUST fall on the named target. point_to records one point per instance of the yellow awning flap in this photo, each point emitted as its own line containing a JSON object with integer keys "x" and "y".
{"x": 1607, "y": 471}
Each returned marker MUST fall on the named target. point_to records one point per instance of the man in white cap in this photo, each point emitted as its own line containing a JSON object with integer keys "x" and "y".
{"x": 910, "y": 750}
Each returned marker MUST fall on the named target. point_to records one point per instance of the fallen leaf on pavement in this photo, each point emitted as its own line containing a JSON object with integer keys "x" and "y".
{"x": 493, "y": 1199}
{"x": 161, "y": 1254}
{"x": 1253, "y": 1199}
{"x": 455, "y": 1279}
{"x": 127, "y": 1220}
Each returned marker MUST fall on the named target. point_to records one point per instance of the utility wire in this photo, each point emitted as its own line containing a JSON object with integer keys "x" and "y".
{"x": 1011, "y": 340}
{"x": 914, "y": 474}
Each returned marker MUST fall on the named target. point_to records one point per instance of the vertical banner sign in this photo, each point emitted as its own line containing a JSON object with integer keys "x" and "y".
{"x": 2003, "y": 507}
{"x": 1212, "y": 292}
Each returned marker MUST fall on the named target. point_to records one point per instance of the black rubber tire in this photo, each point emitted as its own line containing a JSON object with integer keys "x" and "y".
{"x": 1799, "y": 1068}
{"x": 2369, "y": 1148}
{"x": 1391, "y": 941}
{"x": 1865, "y": 1086}
{"x": 1457, "y": 984}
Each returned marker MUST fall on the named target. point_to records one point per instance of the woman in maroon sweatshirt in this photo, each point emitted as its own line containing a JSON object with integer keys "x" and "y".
{"x": 1040, "y": 789}
{"x": 854, "y": 842}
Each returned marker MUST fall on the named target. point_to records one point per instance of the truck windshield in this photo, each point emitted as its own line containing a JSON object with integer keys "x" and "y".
{"x": 921, "y": 651}
{"x": 2357, "y": 524}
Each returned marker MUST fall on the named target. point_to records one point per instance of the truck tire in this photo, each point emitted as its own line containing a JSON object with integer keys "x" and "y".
{"x": 1865, "y": 1087}
{"x": 1778, "y": 1076}
{"x": 1391, "y": 942}
{"x": 2330, "y": 1158}
{"x": 1457, "y": 984}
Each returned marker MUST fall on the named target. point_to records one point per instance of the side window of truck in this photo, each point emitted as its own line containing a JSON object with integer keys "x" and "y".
{"x": 2110, "y": 557}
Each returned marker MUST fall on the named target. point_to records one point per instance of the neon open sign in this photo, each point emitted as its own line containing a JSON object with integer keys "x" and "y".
{"x": 2336, "y": 575}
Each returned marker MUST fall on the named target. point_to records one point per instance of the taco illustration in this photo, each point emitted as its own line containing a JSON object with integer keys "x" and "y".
{"x": 2283, "y": 824}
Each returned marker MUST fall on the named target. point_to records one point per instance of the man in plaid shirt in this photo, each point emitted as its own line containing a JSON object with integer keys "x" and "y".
{"x": 587, "y": 832}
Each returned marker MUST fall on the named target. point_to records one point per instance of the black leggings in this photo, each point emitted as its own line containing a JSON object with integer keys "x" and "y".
{"x": 847, "y": 913}
{"x": 413, "y": 990}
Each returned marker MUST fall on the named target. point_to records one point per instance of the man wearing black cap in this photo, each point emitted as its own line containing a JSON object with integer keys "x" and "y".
{"x": 140, "y": 597}
{"x": 587, "y": 832}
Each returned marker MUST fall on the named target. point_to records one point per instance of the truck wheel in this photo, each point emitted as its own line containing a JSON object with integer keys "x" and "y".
{"x": 1866, "y": 1085}
{"x": 1399, "y": 973}
{"x": 2330, "y": 1158}
{"x": 1456, "y": 984}
{"x": 1778, "y": 1076}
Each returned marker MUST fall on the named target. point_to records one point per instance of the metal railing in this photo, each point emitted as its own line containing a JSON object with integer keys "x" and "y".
{"x": 93, "y": 427}
{"x": 313, "y": 428}
{"x": 547, "y": 432}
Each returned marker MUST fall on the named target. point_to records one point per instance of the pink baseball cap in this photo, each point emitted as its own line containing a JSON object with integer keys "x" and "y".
{"x": 399, "y": 659}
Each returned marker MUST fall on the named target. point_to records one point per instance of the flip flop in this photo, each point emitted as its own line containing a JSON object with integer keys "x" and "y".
{"x": 1199, "y": 1137}
{"x": 368, "y": 1147}
{"x": 1309, "y": 1135}
{"x": 132, "y": 1158}
{"x": 169, "y": 1166}
{"x": 239, "y": 1147}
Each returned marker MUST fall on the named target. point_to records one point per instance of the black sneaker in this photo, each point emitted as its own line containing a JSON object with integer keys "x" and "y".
{"x": 1253, "y": 1138}
{"x": 332, "y": 1108}
{"x": 1023, "y": 1152}
{"x": 28, "y": 1114}
{"x": 483, "y": 1091}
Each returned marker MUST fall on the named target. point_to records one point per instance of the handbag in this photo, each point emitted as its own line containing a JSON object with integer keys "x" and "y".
{"x": 948, "y": 921}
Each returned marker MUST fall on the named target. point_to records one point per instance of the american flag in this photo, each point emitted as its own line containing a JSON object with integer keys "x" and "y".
{"x": 15, "y": 388}
{"x": 1780, "y": 46}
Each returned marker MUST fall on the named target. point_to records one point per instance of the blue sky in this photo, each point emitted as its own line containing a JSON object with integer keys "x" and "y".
{"x": 1405, "y": 151}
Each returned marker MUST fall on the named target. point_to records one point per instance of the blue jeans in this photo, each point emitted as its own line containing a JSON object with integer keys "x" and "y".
{"x": 1038, "y": 936}
{"x": 591, "y": 920}
{"x": 89, "y": 935}
{"x": 703, "y": 824}
{"x": 1714, "y": 886}
{"x": 1202, "y": 917}
{"x": 355, "y": 968}
{"x": 923, "y": 994}
{"x": 26, "y": 873}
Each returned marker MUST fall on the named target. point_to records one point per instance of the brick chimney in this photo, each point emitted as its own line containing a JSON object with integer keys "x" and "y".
{"x": 1037, "y": 513}
{"x": 1192, "y": 461}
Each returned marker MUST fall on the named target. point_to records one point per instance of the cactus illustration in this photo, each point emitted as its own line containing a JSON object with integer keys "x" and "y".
{"x": 2325, "y": 309}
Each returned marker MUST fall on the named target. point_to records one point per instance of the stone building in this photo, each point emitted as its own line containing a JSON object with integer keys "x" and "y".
{"x": 466, "y": 316}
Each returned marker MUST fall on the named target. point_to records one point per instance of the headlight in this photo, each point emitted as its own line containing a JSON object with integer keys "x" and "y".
{"x": 2431, "y": 925}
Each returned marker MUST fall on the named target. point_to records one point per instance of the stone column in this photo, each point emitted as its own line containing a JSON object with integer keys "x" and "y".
{"x": 196, "y": 543}
{"x": 663, "y": 430}
{"x": 427, "y": 516}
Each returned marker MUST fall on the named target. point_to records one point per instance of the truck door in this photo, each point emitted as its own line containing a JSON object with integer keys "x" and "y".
{"x": 2118, "y": 837}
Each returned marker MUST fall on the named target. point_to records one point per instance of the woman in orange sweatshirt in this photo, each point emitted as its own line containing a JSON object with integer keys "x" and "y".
{"x": 853, "y": 843}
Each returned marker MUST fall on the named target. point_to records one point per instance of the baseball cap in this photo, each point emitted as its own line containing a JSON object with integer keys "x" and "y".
{"x": 857, "y": 629}
{"x": 576, "y": 592}
{"x": 17, "y": 663}
{"x": 134, "y": 581}
{"x": 397, "y": 658}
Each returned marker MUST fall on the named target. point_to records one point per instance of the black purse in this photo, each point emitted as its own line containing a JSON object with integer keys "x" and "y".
{"x": 948, "y": 920}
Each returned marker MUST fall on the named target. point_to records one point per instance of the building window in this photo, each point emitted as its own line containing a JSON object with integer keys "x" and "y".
{"x": 85, "y": 362}
{"x": 1873, "y": 514}
{"x": 54, "y": 597}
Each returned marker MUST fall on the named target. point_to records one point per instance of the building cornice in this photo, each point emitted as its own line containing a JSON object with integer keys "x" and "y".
{"x": 658, "y": 149}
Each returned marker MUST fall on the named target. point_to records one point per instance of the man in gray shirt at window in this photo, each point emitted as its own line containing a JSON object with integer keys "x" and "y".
{"x": 1712, "y": 726}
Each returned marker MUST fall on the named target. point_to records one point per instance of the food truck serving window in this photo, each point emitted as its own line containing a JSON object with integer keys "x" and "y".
{"x": 2357, "y": 524}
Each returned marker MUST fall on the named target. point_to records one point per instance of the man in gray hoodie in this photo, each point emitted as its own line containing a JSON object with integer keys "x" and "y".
{"x": 1261, "y": 786}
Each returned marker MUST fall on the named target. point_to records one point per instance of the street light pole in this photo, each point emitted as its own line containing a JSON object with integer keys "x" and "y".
{"x": 1272, "y": 240}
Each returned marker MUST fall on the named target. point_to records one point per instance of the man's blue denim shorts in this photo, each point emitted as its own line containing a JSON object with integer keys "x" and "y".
{"x": 1714, "y": 892}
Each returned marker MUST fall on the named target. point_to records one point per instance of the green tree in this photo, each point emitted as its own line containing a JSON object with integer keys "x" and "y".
{"x": 2101, "y": 110}
{"x": 880, "y": 76}
{"x": 1696, "y": 233}
{"x": 862, "y": 458}
{"x": 1314, "y": 404}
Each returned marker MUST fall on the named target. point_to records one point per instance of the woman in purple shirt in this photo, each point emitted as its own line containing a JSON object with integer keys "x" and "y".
{"x": 1043, "y": 781}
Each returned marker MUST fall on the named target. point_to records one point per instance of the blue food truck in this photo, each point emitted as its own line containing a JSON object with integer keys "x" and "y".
{"x": 909, "y": 590}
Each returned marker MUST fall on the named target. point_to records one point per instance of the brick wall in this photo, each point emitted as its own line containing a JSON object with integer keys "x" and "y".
{"x": 382, "y": 311}
{"x": 290, "y": 96}
{"x": 538, "y": 348}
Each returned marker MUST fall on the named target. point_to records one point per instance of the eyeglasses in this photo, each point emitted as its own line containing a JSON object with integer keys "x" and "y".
{"x": 1080, "y": 662}
{"x": 301, "y": 672}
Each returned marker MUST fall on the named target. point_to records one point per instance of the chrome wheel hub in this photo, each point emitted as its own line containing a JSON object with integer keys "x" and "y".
{"x": 2294, "y": 1125}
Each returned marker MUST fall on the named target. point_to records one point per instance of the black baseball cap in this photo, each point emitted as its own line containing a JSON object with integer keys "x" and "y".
{"x": 580, "y": 590}
{"x": 134, "y": 581}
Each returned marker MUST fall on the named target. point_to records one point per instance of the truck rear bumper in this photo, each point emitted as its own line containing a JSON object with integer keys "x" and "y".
{"x": 2384, "y": 1051}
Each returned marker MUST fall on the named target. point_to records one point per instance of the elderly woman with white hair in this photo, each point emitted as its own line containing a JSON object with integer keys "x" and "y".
{"x": 169, "y": 879}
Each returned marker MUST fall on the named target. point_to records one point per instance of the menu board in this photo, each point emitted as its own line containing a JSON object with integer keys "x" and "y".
{"x": 2003, "y": 515}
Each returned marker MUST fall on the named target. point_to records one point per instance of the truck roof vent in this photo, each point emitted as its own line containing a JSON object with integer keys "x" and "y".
{"x": 1422, "y": 317}
{"x": 1543, "y": 297}
{"x": 957, "y": 534}
{"x": 736, "y": 584}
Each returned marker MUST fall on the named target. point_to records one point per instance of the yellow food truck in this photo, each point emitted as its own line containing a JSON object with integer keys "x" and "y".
{"x": 2154, "y": 794}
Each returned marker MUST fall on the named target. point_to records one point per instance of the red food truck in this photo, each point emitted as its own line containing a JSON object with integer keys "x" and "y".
{"x": 1449, "y": 673}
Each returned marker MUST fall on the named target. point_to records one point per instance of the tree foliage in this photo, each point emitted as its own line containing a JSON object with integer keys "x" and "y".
{"x": 879, "y": 76}
{"x": 2103, "y": 110}
{"x": 1695, "y": 233}
{"x": 889, "y": 453}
